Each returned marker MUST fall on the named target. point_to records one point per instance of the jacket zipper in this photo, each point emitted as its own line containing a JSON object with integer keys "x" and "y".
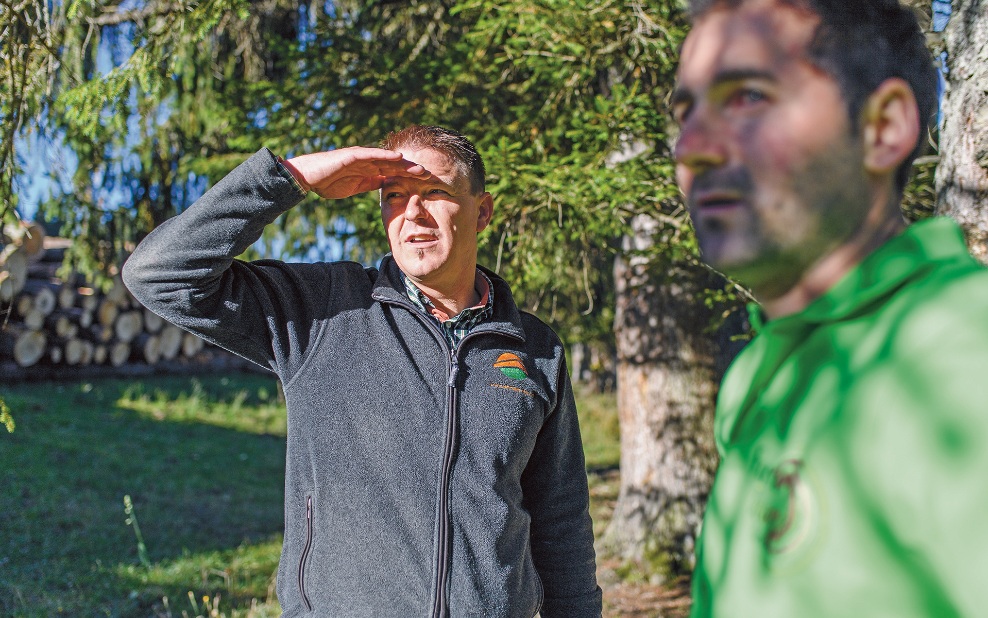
{"x": 440, "y": 607}
{"x": 439, "y": 603}
{"x": 305, "y": 553}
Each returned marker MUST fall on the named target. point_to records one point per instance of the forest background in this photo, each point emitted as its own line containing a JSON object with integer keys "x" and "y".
{"x": 136, "y": 107}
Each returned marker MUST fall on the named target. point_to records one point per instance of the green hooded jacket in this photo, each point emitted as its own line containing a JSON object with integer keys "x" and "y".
{"x": 854, "y": 447}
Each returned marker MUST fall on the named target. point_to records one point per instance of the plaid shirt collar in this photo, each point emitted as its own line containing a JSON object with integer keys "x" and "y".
{"x": 455, "y": 328}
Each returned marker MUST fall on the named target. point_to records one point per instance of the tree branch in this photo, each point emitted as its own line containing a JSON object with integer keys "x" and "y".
{"x": 113, "y": 16}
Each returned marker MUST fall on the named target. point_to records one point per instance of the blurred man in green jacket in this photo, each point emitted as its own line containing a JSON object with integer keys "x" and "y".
{"x": 853, "y": 429}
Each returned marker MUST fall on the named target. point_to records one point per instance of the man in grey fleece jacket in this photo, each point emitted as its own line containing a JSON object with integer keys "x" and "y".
{"x": 434, "y": 465}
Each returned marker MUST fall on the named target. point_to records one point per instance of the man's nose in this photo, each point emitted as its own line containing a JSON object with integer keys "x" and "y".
{"x": 702, "y": 144}
{"x": 415, "y": 209}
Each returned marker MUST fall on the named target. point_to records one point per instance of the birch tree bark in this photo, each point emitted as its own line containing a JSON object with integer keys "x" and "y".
{"x": 962, "y": 175}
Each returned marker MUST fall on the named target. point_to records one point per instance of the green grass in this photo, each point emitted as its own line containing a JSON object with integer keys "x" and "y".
{"x": 203, "y": 462}
{"x": 599, "y": 429}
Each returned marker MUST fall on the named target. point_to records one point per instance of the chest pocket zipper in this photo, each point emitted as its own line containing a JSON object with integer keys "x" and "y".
{"x": 305, "y": 553}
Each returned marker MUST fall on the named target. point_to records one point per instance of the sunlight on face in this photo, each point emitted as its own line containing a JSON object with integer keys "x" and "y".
{"x": 432, "y": 224}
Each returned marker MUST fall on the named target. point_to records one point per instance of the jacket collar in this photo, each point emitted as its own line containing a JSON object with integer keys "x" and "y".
{"x": 916, "y": 250}
{"x": 505, "y": 320}
{"x": 922, "y": 246}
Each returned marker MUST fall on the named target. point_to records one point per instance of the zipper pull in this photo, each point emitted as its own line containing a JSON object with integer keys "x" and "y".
{"x": 454, "y": 370}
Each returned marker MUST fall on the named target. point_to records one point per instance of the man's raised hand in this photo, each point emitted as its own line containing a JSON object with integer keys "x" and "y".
{"x": 335, "y": 174}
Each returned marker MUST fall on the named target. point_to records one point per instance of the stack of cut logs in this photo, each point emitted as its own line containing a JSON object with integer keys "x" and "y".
{"x": 45, "y": 320}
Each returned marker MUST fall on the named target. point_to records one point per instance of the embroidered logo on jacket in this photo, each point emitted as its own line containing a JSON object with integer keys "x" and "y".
{"x": 793, "y": 515}
{"x": 511, "y": 366}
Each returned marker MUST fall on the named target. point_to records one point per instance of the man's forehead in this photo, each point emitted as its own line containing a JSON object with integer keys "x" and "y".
{"x": 444, "y": 170}
{"x": 437, "y": 162}
{"x": 757, "y": 36}
{"x": 433, "y": 180}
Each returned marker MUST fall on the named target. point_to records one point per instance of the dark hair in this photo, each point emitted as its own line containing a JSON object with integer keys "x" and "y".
{"x": 452, "y": 144}
{"x": 861, "y": 44}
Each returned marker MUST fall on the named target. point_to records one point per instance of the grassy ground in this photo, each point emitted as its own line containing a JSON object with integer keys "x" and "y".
{"x": 202, "y": 460}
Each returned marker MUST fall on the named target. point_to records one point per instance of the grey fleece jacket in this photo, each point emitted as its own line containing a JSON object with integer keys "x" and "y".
{"x": 420, "y": 480}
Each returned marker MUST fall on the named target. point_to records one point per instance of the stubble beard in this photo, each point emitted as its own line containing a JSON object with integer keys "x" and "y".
{"x": 825, "y": 212}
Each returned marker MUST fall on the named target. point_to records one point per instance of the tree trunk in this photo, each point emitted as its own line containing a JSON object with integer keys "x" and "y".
{"x": 667, "y": 383}
{"x": 962, "y": 176}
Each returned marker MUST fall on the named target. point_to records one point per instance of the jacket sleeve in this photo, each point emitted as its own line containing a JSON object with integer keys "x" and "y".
{"x": 185, "y": 270}
{"x": 556, "y": 495}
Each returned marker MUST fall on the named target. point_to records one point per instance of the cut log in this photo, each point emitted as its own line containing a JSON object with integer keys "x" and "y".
{"x": 33, "y": 319}
{"x": 74, "y": 351}
{"x": 191, "y": 345}
{"x": 44, "y": 294}
{"x": 43, "y": 270}
{"x": 97, "y": 333}
{"x": 171, "y": 341}
{"x": 77, "y": 316}
{"x": 14, "y": 261}
{"x": 106, "y": 311}
{"x": 128, "y": 325}
{"x": 23, "y": 305}
{"x": 87, "y": 353}
{"x": 100, "y": 354}
{"x": 55, "y": 354}
{"x": 85, "y": 317}
{"x": 119, "y": 353}
{"x": 25, "y": 346}
{"x": 87, "y": 298}
{"x": 62, "y": 324}
{"x": 66, "y": 296}
{"x": 118, "y": 293}
{"x": 30, "y": 236}
{"x": 147, "y": 348}
{"x": 153, "y": 323}
{"x": 55, "y": 248}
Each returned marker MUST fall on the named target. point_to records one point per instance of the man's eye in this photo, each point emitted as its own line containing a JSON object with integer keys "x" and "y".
{"x": 391, "y": 195}
{"x": 437, "y": 192}
{"x": 747, "y": 96}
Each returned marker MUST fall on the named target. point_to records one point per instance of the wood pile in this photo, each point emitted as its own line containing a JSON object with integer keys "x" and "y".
{"x": 49, "y": 322}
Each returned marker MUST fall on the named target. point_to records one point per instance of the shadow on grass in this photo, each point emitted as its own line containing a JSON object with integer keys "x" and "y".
{"x": 205, "y": 495}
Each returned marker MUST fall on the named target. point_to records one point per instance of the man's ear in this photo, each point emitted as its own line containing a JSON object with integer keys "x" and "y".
{"x": 890, "y": 121}
{"x": 485, "y": 212}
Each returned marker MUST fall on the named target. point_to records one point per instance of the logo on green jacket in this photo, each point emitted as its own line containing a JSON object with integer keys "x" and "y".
{"x": 511, "y": 366}
{"x": 792, "y": 515}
